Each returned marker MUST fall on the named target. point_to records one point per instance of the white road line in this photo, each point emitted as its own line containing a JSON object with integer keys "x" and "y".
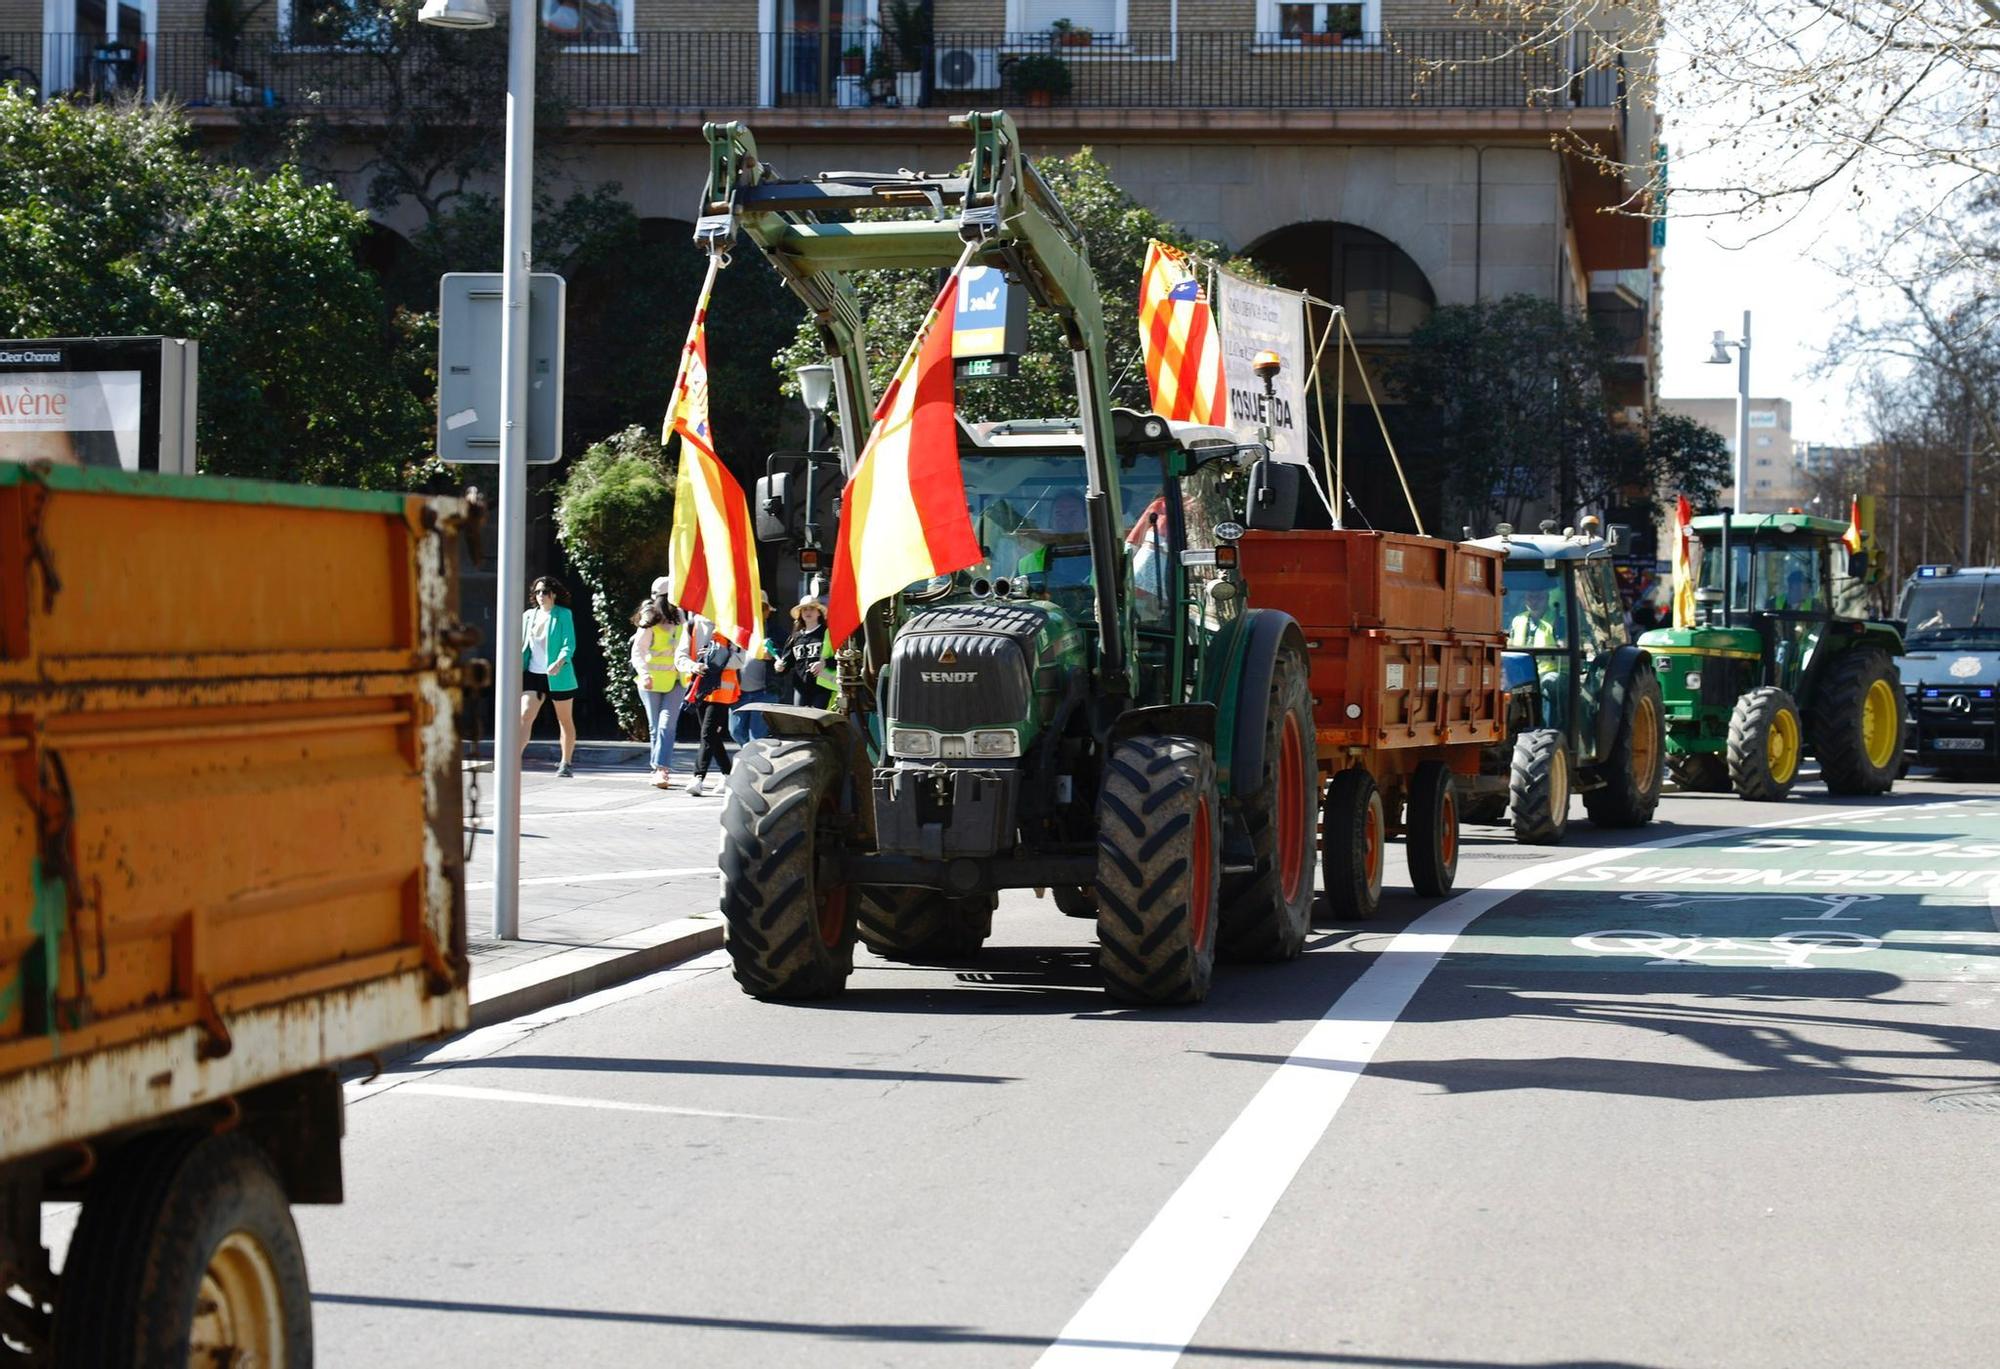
{"x": 563, "y": 1100}
{"x": 1155, "y": 1298}
{"x": 605, "y": 877}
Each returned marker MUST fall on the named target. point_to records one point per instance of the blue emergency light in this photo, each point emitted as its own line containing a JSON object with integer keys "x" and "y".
{"x": 1932, "y": 572}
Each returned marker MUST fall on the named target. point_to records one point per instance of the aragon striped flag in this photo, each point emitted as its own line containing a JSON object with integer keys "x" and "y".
{"x": 1177, "y": 331}
{"x": 903, "y": 515}
{"x": 711, "y": 558}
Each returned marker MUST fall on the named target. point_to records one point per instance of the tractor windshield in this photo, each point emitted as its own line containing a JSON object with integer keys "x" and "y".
{"x": 1537, "y": 616}
{"x": 1769, "y": 576}
{"x": 1950, "y": 611}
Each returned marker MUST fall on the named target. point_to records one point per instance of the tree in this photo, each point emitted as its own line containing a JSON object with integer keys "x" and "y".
{"x": 114, "y": 224}
{"x": 1115, "y": 228}
{"x": 614, "y": 518}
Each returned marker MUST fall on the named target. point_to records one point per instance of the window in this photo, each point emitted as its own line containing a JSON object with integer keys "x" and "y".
{"x": 1535, "y": 610}
{"x": 333, "y": 23}
{"x": 1102, "y": 17}
{"x": 1290, "y": 23}
{"x": 589, "y": 23}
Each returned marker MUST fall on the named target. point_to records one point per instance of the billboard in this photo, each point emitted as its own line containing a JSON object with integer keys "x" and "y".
{"x": 114, "y": 403}
{"x": 1257, "y": 318}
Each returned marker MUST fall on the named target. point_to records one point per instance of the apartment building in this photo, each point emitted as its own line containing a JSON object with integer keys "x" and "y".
{"x": 1777, "y": 478}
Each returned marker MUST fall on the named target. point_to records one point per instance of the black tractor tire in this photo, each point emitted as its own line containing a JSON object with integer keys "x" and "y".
{"x": 1700, "y": 772}
{"x": 1838, "y": 723}
{"x": 1430, "y": 839}
{"x": 1633, "y": 773}
{"x": 791, "y": 922}
{"x": 1755, "y": 772}
{"x": 1353, "y": 846}
{"x": 1267, "y": 909}
{"x": 1073, "y": 900}
{"x": 1538, "y": 787}
{"x": 1159, "y": 868}
{"x": 185, "y": 1254}
{"x": 1483, "y": 808}
{"x": 921, "y": 925}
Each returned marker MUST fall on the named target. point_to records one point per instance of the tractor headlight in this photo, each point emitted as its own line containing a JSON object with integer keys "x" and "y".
{"x": 1694, "y": 679}
{"x": 905, "y": 741}
{"x": 997, "y": 742}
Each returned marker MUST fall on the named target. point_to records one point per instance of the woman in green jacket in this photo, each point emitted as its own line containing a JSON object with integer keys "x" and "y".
{"x": 548, "y": 664}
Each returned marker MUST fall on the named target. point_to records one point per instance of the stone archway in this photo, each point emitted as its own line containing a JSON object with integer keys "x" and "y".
{"x": 1386, "y": 294}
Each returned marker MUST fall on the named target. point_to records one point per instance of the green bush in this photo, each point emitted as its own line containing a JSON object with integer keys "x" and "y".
{"x": 614, "y": 518}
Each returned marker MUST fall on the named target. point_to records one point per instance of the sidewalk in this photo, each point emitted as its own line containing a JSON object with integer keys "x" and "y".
{"x": 618, "y": 879}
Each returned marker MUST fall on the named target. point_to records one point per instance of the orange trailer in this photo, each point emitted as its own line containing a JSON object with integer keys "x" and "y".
{"x": 1403, "y": 634}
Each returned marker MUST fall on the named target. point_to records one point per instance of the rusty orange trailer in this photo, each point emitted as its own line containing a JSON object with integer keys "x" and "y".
{"x": 1403, "y": 636}
{"x": 230, "y": 860}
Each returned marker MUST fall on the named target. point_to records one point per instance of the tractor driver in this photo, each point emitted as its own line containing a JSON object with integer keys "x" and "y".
{"x": 1535, "y": 625}
{"x": 1051, "y": 555}
{"x": 1798, "y": 596}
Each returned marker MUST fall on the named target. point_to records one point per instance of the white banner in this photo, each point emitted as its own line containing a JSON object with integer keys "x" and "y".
{"x": 73, "y": 418}
{"x": 1256, "y": 318}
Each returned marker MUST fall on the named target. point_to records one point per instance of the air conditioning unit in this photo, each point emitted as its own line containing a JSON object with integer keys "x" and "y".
{"x": 968, "y": 68}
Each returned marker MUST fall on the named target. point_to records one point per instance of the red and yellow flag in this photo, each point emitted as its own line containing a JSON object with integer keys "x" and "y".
{"x": 1684, "y": 565}
{"x": 1177, "y": 331}
{"x": 903, "y": 515}
{"x": 1852, "y": 537}
{"x": 712, "y": 557}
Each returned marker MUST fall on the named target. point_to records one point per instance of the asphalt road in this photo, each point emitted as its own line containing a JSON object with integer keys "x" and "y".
{"x": 1728, "y": 1100}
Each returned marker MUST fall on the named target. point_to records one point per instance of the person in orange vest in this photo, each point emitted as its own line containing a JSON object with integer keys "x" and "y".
{"x": 710, "y": 665}
{"x": 661, "y": 689}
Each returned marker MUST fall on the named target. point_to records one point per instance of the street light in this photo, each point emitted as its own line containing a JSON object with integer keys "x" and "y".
{"x": 1720, "y": 357}
{"x": 816, "y": 390}
{"x": 511, "y": 567}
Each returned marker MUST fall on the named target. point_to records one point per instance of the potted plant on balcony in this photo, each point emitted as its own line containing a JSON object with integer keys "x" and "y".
{"x": 1041, "y": 76}
{"x": 1069, "y": 34}
{"x": 909, "y": 23}
{"x": 854, "y": 61}
{"x": 881, "y": 77}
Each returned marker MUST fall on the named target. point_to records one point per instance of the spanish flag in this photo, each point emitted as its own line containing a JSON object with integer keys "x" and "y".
{"x": 1177, "y": 331}
{"x": 1684, "y": 563}
{"x": 711, "y": 558}
{"x": 903, "y": 515}
{"x": 1852, "y": 537}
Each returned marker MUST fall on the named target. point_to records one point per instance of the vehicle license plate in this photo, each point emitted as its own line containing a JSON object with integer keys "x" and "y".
{"x": 1959, "y": 743}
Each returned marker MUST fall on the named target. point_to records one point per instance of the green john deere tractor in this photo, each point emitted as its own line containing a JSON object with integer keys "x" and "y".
{"x": 1093, "y": 709}
{"x": 1773, "y": 670}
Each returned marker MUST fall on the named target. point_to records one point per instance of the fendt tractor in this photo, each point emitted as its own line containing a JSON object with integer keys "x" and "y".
{"x": 1584, "y": 713}
{"x": 1773, "y": 669}
{"x": 1092, "y": 709}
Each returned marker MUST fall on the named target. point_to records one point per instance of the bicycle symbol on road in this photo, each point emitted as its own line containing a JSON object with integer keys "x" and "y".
{"x": 1788, "y": 950}
{"x": 1833, "y": 906}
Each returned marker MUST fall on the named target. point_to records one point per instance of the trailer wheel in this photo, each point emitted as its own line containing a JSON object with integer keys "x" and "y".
{"x": 1267, "y": 910}
{"x": 1158, "y": 870}
{"x": 1432, "y": 840}
{"x": 1856, "y": 723}
{"x": 1700, "y": 772}
{"x": 1538, "y": 788}
{"x": 921, "y": 924}
{"x": 791, "y": 923}
{"x": 1354, "y": 840}
{"x": 1074, "y": 900}
{"x": 1764, "y": 748}
{"x": 185, "y": 1254}
{"x": 1633, "y": 772}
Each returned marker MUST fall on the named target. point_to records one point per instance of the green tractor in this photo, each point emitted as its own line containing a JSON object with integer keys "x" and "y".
{"x": 1773, "y": 669}
{"x": 1092, "y": 710}
{"x": 1583, "y": 706}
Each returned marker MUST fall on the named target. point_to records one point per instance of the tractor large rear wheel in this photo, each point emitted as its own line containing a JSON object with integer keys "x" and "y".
{"x": 1856, "y": 723}
{"x": 1158, "y": 871}
{"x": 1633, "y": 772}
{"x": 1267, "y": 910}
{"x": 921, "y": 925}
{"x": 1764, "y": 735}
{"x": 791, "y": 924}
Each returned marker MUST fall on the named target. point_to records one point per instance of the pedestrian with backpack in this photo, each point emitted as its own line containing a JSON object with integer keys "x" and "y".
{"x": 710, "y": 664}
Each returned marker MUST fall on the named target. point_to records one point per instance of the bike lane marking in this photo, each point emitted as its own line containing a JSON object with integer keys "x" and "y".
{"x": 1150, "y": 1305}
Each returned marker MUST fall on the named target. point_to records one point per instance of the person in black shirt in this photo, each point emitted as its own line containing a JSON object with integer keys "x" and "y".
{"x": 802, "y": 655}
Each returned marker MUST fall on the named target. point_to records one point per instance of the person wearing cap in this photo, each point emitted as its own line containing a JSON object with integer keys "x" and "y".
{"x": 661, "y": 689}
{"x": 803, "y": 654}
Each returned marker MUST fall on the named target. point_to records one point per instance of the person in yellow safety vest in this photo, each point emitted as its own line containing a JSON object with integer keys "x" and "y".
{"x": 710, "y": 664}
{"x": 1535, "y": 625}
{"x": 1798, "y": 596}
{"x": 661, "y": 690}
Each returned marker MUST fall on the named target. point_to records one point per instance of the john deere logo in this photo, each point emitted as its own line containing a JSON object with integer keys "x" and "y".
{"x": 948, "y": 657}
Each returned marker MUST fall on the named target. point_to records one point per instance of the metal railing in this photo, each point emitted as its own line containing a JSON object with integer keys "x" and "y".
{"x": 1140, "y": 69}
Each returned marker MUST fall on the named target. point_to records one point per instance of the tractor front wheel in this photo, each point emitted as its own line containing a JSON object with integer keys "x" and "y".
{"x": 1633, "y": 772}
{"x": 921, "y": 925}
{"x": 1159, "y": 870}
{"x": 1354, "y": 840}
{"x": 1856, "y": 723}
{"x": 1538, "y": 788}
{"x": 791, "y": 923}
{"x": 1764, "y": 735}
{"x": 1267, "y": 910}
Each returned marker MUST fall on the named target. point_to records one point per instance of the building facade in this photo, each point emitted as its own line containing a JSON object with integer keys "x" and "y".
{"x": 1777, "y": 479}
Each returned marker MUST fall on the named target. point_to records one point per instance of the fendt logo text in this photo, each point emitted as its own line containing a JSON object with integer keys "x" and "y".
{"x": 949, "y": 676}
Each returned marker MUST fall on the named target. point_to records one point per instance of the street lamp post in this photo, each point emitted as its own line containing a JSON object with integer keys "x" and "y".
{"x": 516, "y": 254}
{"x": 1741, "y": 465}
{"x": 816, "y": 392}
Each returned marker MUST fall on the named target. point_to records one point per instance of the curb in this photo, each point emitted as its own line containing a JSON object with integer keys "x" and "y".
{"x": 585, "y": 970}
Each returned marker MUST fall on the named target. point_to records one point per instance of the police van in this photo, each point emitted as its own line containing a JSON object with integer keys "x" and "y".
{"x": 1951, "y": 666}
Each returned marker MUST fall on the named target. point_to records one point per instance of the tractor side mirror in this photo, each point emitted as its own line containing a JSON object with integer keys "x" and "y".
{"x": 1857, "y": 565}
{"x": 1273, "y": 502}
{"x": 798, "y": 499}
{"x": 774, "y": 507}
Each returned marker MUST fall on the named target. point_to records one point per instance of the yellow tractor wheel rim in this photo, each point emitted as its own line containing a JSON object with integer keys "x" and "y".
{"x": 1645, "y": 745}
{"x": 1879, "y": 724}
{"x": 239, "y": 1312}
{"x": 1781, "y": 746}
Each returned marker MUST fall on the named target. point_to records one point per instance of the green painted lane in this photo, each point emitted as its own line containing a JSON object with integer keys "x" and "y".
{"x": 1909, "y": 893}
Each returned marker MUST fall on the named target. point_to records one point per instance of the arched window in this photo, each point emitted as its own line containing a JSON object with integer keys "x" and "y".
{"x": 1385, "y": 292}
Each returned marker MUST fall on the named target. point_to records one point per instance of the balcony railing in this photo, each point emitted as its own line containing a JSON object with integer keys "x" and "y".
{"x": 1157, "y": 69}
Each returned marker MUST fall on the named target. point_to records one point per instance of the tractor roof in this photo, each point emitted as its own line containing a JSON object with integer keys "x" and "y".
{"x": 1068, "y": 432}
{"x": 1545, "y": 546}
{"x": 1775, "y": 523}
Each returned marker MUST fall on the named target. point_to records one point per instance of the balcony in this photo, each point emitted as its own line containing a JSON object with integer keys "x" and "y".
{"x": 1194, "y": 70}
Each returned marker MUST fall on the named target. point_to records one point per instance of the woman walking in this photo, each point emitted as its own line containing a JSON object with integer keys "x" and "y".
{"x": 802, "y": 655}
{"x": 548, "y": 663}
{"x": 661, "y": 689}
{"x": 710, "y": 665}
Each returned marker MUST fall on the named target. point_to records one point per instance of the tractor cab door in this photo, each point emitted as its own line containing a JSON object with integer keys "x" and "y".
{"x": 1789, "y": 588}
{"x": 1600, "y": 631}
{"x": 1152, "y": 542}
